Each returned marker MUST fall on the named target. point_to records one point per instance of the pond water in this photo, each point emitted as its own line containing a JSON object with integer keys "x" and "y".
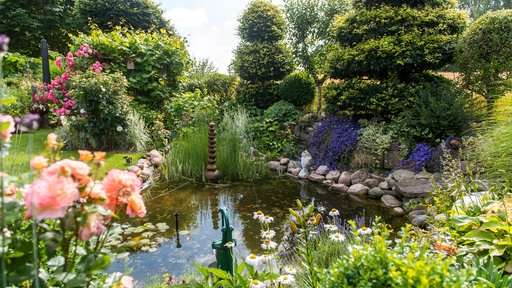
{"x": 199, "y": 220}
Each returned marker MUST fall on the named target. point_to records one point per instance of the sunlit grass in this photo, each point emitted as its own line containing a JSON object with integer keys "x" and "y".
{"x": 24, "y": 147}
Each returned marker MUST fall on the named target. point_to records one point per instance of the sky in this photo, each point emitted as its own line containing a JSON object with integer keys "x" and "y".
{"x": 209, "y": 26}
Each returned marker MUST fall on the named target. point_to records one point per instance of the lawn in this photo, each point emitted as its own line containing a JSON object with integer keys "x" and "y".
{"x": 27, "y": 145}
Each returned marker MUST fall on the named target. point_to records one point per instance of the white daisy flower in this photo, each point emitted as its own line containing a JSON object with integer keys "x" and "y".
{"x": 337, "y": 237}
{"x": 265, "y": 258}
{"x": 255, "y": 283}
{"x": 331, "y": 227}
{"x": 258, "y": 215}
{"x": 267, "y": 219}
{"x": 290, "y": 270}
{"x": 252, "y": 260}
{"x": 268, "y": 234}
{"x": 334, "y": 212}
{"x": 286, "y": 279}
{"x": 268, "y": 244}
{"x": 230, "y": 244}
{"x": 364, "y": 230}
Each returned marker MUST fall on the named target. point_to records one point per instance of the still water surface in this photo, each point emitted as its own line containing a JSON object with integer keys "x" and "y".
{"x": 199, "y": 220}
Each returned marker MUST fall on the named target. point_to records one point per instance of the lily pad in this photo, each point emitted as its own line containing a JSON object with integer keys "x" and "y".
{"x": 152, "y": 249}
{"x": 148, "y": 234}
{"x": 184, "y": 232}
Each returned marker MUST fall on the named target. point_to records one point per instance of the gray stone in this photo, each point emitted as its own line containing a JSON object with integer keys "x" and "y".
{"x": 328, "y": 182}
{"x": 376, "y": 192}
{"x": 322, "y": 170}
{"x": 144, "y": 174}
{"x": 333, "y": 175}
{"x": 384, "y": 185}
{"x": 424, "y": 175}
{"x": 420, "y": 221}
{"x": 273, "y": 165}
{"x": 391, "y": 182}
{"x": 316, "y": 178}
{"x": 371, "y": 183}
{"x": 293, "y": 165}
{"x": 416, "y": 213}
{"x": 339, "y": 187}
{"x": 305, "y": 163}
{"x": 358, "y": 189}
{"x": 294, "y": 171}
{"x": 397, "y": 211}
{"x": 143, "y": 163}
{"x": 378, "y": 177}
{"x": 390, "y": 201}
{"x": 133, "y": 169}
{"x": 419, "y": 206}
{"x": 304, "y": 174}
{"x": 359, "y": 176}
{"x": 393, "y": 193}
{"x": 414, "y": 188}
{"x": 401, "y": 175}
{"x": 392, "y": 156}
{"x": 344, "y": 178}
{"x": 284, "y": 161}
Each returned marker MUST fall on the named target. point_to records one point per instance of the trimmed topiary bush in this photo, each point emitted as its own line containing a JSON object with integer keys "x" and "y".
{"x": 298, "y": 88}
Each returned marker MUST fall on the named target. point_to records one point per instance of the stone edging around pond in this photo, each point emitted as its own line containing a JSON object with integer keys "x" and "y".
{"x": 145, "y": 167}
{"x": 401, "y": 191}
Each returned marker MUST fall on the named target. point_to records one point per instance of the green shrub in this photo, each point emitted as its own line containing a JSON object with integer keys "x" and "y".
{"x": 282, "y": 112}
{"x": 374, "y": 138}
{"x": 104, "y": 107}
{"x": 17, "y": 64}
{"x": 19, "y": 89}
{"x": 259, "y": 94}
{"x": 483, "y": 54}
{"x": 298, "y": 88}
{"x": 187, "y": 108}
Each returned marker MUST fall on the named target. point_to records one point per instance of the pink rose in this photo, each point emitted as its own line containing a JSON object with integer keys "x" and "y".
{"x": 77, "y": 169}
{"x": 7, "y": 127}
{"x": 93, "y": 226}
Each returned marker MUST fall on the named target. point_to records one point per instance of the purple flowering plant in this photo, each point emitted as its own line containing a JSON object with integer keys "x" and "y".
{"x": 419, "y": 158}
{"x": 333, "y": 141}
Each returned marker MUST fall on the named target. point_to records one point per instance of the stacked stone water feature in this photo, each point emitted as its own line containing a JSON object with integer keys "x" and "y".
{"x": 211, "y": 174}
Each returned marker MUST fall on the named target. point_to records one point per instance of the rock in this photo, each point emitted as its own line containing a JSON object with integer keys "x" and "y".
{"x": 154, "y": 153}
{"x": 344, "y": 178}
{"x": 393, "y": 193}
{"x": 143, "y": 163}
{"x": 376, "y": 192}
{"x": 134, "y": 169}
{"x": 144, "y": 174}
{"x": 155, "y": 158}
{"x": 273, "y": 165}
{"x": 327, "y": 182}
{"x": 401, "y": 175}
{"x": 397, "y": 211}
{"x": 392, "y": 156}
{"x": 293, "y": 165}
{"x": 294, "y": 171}
{"x": 391, "y": 182}
{"x": 333, "y": 175}
{"x": 390, "y": 201}
{"x": 377, "y": 177}
{"x": 284, "y": 161}
{"x": 414, "y": 188}
{"x": 371, "y": 183}
{"x": 416, "y": 213}
{"x": 322, "y": 170}
{"x": 456, "y": 144}
{"x": 316, "y": 178}
{"x": 339, "y": 187}
{"x": 358, "y": 189}
{"x": 305, "y": 162}
{"x": 419, "y": 206}
{"x": 384, "y": 185}
{"x": 423, "y": 176}
{"x": 421, "y": 221}
{"x": 359, "y": 176}
{"x": 281, "y": 169}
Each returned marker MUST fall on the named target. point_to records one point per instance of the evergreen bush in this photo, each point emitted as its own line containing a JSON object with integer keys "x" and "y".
{"x": 298, "y": 88}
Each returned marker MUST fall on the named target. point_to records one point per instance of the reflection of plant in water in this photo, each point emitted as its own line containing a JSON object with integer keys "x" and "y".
{"x": 124, "y": 237}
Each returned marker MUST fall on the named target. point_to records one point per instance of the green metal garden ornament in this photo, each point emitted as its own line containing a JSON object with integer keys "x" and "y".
{"x": 224, "y": 247}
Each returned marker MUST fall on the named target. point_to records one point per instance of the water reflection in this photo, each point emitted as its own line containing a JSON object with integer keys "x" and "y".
{"x": 198, "y": 205}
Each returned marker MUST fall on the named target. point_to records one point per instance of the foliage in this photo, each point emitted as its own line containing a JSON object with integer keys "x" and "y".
{"x": 160, "y": 61}
{"x": 104, "y": 109}
{"x": 333, "y": 141}
{"x": 261, "y": 22}
{"x": 137, "y": 134}
{"x": 18, "y": 64}
{"x": 496, "y": 140}
{"x": 309, "y": 36}
{"x": 187, "y": 109}
{"x": 20, "y": 89}
{"x": 482, "y": 55}
{"x": 419, "y": 158}
{"x": 259, "y": 94}
{"x": 298, "y": 88}
{"x": 477, "y": 8}
{"x": 106, "y": 15}
{"x": 27, "y": 22}
{"x": 374, "y": 138}
{"x": 261, "y": 57}
{"x": 283, "y": 112}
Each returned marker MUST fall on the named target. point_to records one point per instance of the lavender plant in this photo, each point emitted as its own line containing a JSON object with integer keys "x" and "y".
{"x": 419, "y": 158}
{"x": 333, "y": 142}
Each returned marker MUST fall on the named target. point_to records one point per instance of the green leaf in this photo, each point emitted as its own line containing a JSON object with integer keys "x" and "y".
{"x": 464, "y": 223}
{"x": 56, "y": 262}
{"x": 479, "y": 235}
{"x": 497, "y": 250}
{"x": 220, "y": 273}
{"x": 493, "y": 225}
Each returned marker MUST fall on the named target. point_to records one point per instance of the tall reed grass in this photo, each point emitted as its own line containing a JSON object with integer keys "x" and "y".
{"x": 188, "y": 154}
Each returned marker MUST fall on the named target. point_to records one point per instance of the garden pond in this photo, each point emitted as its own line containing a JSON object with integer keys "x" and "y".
{"x": 161, "y": 250}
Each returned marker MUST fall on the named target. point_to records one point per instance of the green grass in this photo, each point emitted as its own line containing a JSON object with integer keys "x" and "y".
{"x": 24, "y": 147}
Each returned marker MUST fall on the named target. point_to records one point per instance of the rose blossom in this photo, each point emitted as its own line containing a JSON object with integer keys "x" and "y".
{"x": 93, "y": 226}
{"x": 78, "y": 169}
{"x": 136, "y": 206}
{"x": 119, "y": 185}
{"x": 7, "y": 130}
{"x": 39, "y": 163}
{"x": 50, "y": 196}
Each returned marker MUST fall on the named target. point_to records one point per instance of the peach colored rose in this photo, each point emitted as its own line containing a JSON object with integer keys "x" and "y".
{"x": 95, "y": 192}
{"x": 99, "y": 156}
{"x": 38, "y": 163}
{"x": 93, "y": 226}
{"x": 10, "y": 191}
{"x": 135, "y": 206}
{"x": 119, "y": 185}
{"x": 52, "y": 141}
{"x": 125, "y": 282}
{"x": 77, "y": 169}
{"x": 50, "y": 196}
{"x": 7, "y": 127}
{"x": 85, "y": 155}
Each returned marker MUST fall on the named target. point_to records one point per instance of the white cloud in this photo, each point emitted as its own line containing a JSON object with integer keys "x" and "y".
{"x": 187, "y": 18}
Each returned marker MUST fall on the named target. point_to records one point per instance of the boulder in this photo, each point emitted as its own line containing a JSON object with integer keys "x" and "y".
{"x": 322, "y": 170}
{"x": 390, "y": 201}
{"x": 294, "y": 171}
{"x": 333, "y": 175}
{"x": 379, "y": 178}
{"x": 392, "y": 156}
{"x": 284, "y": 161}
{"x": 416, "y": 213}
{"x": 397, "y": 211}
{"x": 393, "y": 193}
{"x": 344, "y": 178}
{"x": 328, "y": 182}
{"x": 376, "y": 192}
{"x": 401, "y": 175}
{"x": 339, "y": 187}
{"x": 358, "y": 189}
{"x": 273, "y": 165}
{"x": 420, "y": 221}
{"x": 316, "y": 178}
{"x": 384, "y": 185}
{"x": 371, "y": 183}
{"x": 414, "y": 188}
{"x": 424, "y": 176}
{"x": 359, "y": 176}
{"x": 293, "y": 165}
